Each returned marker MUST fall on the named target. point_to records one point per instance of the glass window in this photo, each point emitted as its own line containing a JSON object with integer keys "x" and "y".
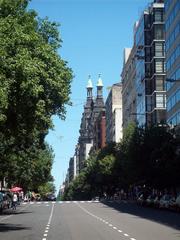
{"x": 158, "y": 32}
{"x": 159, "y": 49}
{"x": 158, "y": 15}
{"x": 160, "y": 83}
{"x": 160, "y": 101}
{"x": 159, "y": 66}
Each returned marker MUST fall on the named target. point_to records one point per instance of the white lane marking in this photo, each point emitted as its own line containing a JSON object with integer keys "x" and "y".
{"x": 49, "y": 222}
{"x": 47, "y": 205}
{"x": 110, "y": 225}
{"x": 50, "y": 218}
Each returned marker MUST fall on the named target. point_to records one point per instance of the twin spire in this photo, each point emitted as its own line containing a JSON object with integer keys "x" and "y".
{"x": 90, "y": 87}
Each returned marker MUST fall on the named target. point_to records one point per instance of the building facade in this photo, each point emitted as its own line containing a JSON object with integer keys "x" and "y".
{"x": 114, "y": 114}
{"x": 172, "y": 28}
{"x": 150, "y": 66}
{"x": 88, "y": 129}
{"x": 129, "y": 95}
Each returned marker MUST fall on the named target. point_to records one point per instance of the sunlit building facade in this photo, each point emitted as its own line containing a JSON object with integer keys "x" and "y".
{"x": 150, "y": 66}
{"x": 172, "y": 28}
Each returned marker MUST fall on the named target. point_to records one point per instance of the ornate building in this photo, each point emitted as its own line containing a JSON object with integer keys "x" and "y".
{"x": 90, "y": 135}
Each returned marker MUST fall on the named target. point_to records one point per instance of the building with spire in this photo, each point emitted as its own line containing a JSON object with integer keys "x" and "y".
{"x": 91, "y": 136}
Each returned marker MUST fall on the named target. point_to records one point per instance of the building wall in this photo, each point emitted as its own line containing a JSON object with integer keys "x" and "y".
{"x": 113, "y": 116}
{"x": 172, "y": 28}
{"x": 128, "y": 76}
{"x": 150, "y": 66}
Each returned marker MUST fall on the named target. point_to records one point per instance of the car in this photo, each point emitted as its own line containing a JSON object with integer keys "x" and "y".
{"x": 165, "y": 201}
{"x": 178, "y": 202}
{"x": 172, "y": 203}
{"x": 156, "y": 201}
{"x": 51, "y": 197}
{"x": 1, "y": 202}
{"x": 150, "y": 200}
{"x": 7, "y": 199}
{"x": 141, "y": 197}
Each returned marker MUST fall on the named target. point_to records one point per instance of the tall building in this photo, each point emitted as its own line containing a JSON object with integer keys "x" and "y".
{"x": 92, "y": 110}
{"x": 114, "y": 114}
{"x": 150, "y": 66}
{"x": 172, "y": 28}
{"x": 129, "y": 95}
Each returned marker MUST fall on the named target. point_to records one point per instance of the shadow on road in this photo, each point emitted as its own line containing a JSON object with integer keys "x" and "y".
{"x": 5, "y": 227}
{"x": 165, "y": 217}
{"x": 13, "y": 212}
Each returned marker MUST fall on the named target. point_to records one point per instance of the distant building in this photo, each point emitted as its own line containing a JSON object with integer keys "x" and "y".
{"x": 71, "y": 169}
{"x": 172, "y": 28}
{"x": 88, "y": 131}
{"x": 114, "y": 114}
{"x": 129, "y": 95}
{"x": 100, "y": 131}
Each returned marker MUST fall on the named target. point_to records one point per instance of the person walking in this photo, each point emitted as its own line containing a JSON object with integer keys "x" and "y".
{"x": 14, "y": 202}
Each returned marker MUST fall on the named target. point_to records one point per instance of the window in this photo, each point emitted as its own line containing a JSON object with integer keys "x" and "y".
{"x": 158, "y": 32}
{"x": 159, "y": 66}
{"x": 160, "y": 83}
{"x": 158, "y": 15}
{"x": 160, "y": 100}
{"x": 159, "y": 49}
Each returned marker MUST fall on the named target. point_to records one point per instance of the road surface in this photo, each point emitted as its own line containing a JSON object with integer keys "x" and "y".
{"x": 88, "y": 221}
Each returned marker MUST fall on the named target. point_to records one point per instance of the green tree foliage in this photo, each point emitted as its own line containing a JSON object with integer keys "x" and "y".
{"x": 46, "y": 188}
{"x": 147, "y": 156}
{"x": 34, "y": 86}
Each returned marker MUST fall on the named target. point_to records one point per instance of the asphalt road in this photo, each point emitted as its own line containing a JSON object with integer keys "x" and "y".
{"x": 88, "y": 221}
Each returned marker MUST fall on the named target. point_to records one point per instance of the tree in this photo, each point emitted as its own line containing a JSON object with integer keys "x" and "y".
{"x": 34, "y": 84}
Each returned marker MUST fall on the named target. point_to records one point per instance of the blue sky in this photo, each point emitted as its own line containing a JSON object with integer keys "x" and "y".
{"x": 94, "y": 34}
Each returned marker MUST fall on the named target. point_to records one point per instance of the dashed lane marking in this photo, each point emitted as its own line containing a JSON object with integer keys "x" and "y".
{"x": 106, "y": 222}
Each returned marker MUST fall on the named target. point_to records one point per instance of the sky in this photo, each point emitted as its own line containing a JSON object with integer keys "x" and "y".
{"x": 94, "y": 35}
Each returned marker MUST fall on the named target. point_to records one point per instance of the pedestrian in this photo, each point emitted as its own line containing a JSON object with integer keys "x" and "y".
{"x": 14, "y": 202}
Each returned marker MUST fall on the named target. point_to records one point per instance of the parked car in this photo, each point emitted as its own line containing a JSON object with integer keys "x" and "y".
{"x": 7, "y": 199}
{"x": 156, "y": 201}
{"x": 172, "y": 203}
{"x": 141, "y": 199}
{"x": 142, "y": 196}
{"x": 150, "y": 200}
{"x": 1, "y": 202}
{"x": 165, "y": 201}
{"x": 178, "y": 202}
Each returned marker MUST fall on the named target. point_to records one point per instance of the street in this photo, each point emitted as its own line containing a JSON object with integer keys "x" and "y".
{"x": 88, "y": 221}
